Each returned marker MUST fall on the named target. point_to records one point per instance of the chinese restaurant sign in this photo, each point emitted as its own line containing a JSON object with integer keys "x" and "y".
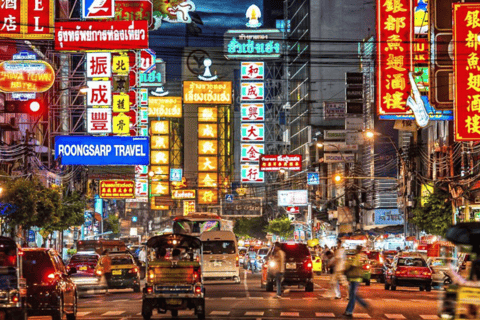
{"x": 394, "y": 54}
{"x": 117, "y": 189}
{"x": 114, "y": 35}
{"x": 258, "y": 44}
{"x": 202, "y": 92}
{"x": 26, "y": 76}
{"x": 26, "y": 19}
{"x": 168, "y": 107}
{"x": 275, "y": 162}
{"x": 466, "y": 28}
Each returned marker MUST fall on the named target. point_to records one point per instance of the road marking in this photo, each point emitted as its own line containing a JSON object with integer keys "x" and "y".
{"x": 123, "y": 300}
{"x": 229, "y": 298}
{"x": 394, "y": 316}
{"x": 220, "y": 313}
{"x": 246, "y": 286}
{"x": 392, "y": 300}
{"x": 255, "y": 313}
{"x": 256, "y": 298}
{"x": 186, "y": 312}
{"x": 429, "y": 317}
{"x": 324, "y": 315}
{"x": 290, "y": 314}
{"x": 113, "y": 313}
{"x": 83, "y": 314}
{"x": 361, "y": 315}
{"x": 310, "y": 298}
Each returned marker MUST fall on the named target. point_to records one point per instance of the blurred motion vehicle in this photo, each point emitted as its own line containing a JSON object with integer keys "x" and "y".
{"x": 366, "y": 267}
{"x": 125, "y": 272}
{"x": 13, "y": 286}
{"x": 316, "y": 264}
{"x": 241, "y": 255}
{"x": 86, "y": 280}
{"x": 250, "y": 261}
{"x": 220, "y": 256}
{"x": 408, "y": 270}
{"x": 261, "y": 254}
{"x": 174, "y": 284}
{"x": 298, "y": 267}
{"x": 50, "y": 290}
{"x": 440, "y": 266}
{"x": 376, "y": 261}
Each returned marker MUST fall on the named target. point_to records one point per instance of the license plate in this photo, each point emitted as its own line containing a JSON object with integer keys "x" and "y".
{"x": 116, "y": 272}
{"x": 291, "y": 265}
{"x": 414, "y": 272}
{"x": 82, "y": 268}
{"x": 174, "y": 302}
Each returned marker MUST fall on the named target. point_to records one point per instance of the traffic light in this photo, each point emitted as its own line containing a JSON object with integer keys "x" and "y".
{"x": 33, "y": 107}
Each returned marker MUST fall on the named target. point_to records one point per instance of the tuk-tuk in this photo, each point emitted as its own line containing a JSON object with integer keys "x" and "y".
{"x": 13, "y": 287}
{"x": 461, "y": 299}
{"x": 174, "y": 278}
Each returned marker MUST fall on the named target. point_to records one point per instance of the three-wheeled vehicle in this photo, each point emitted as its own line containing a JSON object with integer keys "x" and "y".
{"x": 13, "y": 287}
{"x": 174, "y": 277}
{"x": 461, "y": 299}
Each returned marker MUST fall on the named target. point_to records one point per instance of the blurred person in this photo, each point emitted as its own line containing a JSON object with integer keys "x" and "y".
{"x": 279, "y": 258}
{"x": 105, "y": 264}
{"x": 354, "y": 274}
{"x": 161, "y": 254}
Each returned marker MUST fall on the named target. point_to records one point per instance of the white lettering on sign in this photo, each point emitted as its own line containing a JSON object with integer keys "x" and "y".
{"x": 38, "y": 5}
{"x": 129, "y": 151}
{"x": 75, "y": 150}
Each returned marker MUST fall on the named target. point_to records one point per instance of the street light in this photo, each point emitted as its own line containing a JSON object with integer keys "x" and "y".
{"x": 337, "y": 178}
{"x": 319, "y": 145}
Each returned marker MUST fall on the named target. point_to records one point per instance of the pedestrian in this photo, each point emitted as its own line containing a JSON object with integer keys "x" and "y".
{"x": 142, "y": 256}
{"x": 354, "y": 274}
{"x": 337, "y": 263}
{"x": 279, "y": 258}
{"x": 105, "y": 265}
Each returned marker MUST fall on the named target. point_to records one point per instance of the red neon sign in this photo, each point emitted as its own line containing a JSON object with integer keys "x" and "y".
{"x": 275, "y": 162}
{"x": 26, "y": 76}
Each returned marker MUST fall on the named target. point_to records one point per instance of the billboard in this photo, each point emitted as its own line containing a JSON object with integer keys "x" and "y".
{"x": 114, "y": 35}
{"x": 102, "y": 151}
{"x": 168, "y": 107}
{"x": 27, "y": 19}
{"x": 26, "y": 76}
{"x": 338, "y": 158}
{"x": 467, "y": 72}
{"x": 183, "y": 194}
{"x": 117, "y": 189}
{"x": 252, "y": 43}
{"x": 205, "y": 92}
{"x": 251, "y": 207}
{"x": 277, "y": 162}
{"x": 388, "y": 216}
{"x": 394, "y": 56}
{"x": 292, "y": 198}
{"x": 333, "y": 110}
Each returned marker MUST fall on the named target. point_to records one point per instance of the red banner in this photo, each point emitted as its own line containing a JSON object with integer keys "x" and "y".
{"x": 113, "y": 35}
{"x": 117, "y": 189}
{"x": 26, "y": 19}
{"x": 466, "y": 28}
{"x": 275, "y": 162}
{"x": 394, "y": 55}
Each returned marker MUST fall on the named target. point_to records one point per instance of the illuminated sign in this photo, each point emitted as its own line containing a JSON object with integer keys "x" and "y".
{"x": 121, "y": 102}
{"x": 99, "y": 120}
{"x": 183, "y": 194}
{"x": 250, "y": 173}
{"x": 85, "y": 150}
{"x": 277, "y": 162}
{"x": 204, "y": 92}
{"x": 253, "y": 112}
{"x": 141, "y": 188}
{"x": 94, "y": 9}
{"x": 253, "y": 14}
{"x": 338, "y": 157}
{"x": 207, "y": 180}
{"x": 160, "y": 142}
{"x": 159, "y": 188}
{"x": 121, "y": 124}
{"x": 248, "y": 44}
{"x": 420, "y": 51}
{"x": 394, "y": 56}
{"x": 313, "y": 178}
{"x": 466, "y": 27}
{"x": 207, "y": 147}
{"x": 252, "y": 70}
{"x": 207, "y": 130}
{"x": 207, "y": 196}
{"x": 292, "y": 198}
{"x": 27, "y": 19}
{"x": 133, "y": 10}
{"x": 251, "y": 152}
{"x": 26, "y": 76}
{"x": 207, "y": 114}
{"x": 99, "y": 64}
{"x": 117, "y": 189}
{"x": 334, "y": 110}
{"x": 159, "y": 157}
{"x": 99, "y": 93}
{"x": 161, "y": 172}
{"x": 188, "y": 207}
{"x": 156, "y": 77}
{"x": 207, "y": 163}
{"x": 168, "y": 107}
{"x": 252, "y": 132}
{"x": 121, "y": 64}
{"x": 176, "y": 175}
{"x": 160, "y": 127}
{"x": 173, "y": 11}
{"x": 252, "y": 91}
{"x": 388, "y": 216}
{"x": 114, "y": 35}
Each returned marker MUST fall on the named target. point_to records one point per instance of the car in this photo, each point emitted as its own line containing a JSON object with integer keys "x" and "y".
{"x": 89, "y": 283}
{"x": 84, "y": 261}
{"x": 241, "y": 254}
{"x": 408, "y": 270}
{"x": 366, "y": 266}
{"x": 388, "y": 256}
{"x": 298, "y": 267}
{"x": 376, "y": 261}
{"x": 317, "y": 264}
{"x": 50, "y": 290}
{"x": 261, "y": 254}
{"x": 125, "y": 272}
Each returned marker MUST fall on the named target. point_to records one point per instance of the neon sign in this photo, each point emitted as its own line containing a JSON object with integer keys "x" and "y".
{"x": 26, "y": 76}
{"x": 241, "y": 44}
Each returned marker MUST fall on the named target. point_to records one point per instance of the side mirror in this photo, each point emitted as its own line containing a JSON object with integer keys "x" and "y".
{"x": 72, "y": 270}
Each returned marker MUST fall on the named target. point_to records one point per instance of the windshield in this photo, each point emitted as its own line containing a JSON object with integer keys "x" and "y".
{"x": 121, "y": 260}
{"x": 412, "y": 262}
{"x": 37, "y": 265}
{"x": 297, "y": 251}
{"x": 262, "y": 252}
{"x": 189, "y": 227}
{"x": 84, "y": 259}
{"x": 218, "y": 247}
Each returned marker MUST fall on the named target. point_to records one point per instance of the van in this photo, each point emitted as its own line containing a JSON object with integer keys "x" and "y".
{"x": 220, "y": 256}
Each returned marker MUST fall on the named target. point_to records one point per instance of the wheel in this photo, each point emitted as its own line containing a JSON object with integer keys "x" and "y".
{"x": 174, "y": 313}
{"x": 73, "y": 315}
{"x": 367, "y": 282}
{"x": 309, "y": 287}
{"x": 428, "y": 288}
{"x": 58, "y": 314}
{"x": 136, "y": 288}
{"x": 382, "y": 279}
{"x": 269, "y": 286}
{"x": 146, "y": 310}
{"x": 394, "y": 288}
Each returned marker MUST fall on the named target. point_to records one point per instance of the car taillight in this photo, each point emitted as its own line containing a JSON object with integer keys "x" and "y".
{"x": 366, "y": 267}
{"x": 150, "y": 290}
{"x": 51, "y": 276}
{"x": 198, "y": 290}
{"x": 15, "y": 297}
{"x": 380, "y": 260}
{"x": 308, "y": 264}
{"x": 237, "y": 263}
{"x": 427, "y": 273}
{"x": 98, "y": 272}
{"x": 151, "y": 275}
{"x": 399, "y": 273}
{"x": 133, "y": 270}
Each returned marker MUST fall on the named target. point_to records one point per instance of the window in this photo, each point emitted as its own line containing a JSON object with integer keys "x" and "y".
{"x": 188, "y": 227}
{"x": 121, "y": 260}
{"x": 37, "y": 265}
{"x": 298, "y": 251}
{"x": 411, "y": 262}
{"x": 219, "y": 247}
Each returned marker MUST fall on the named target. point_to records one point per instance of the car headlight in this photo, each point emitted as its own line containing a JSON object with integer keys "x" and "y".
{"x": 272, "y": 264}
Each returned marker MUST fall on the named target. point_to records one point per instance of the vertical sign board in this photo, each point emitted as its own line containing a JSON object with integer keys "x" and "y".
{"x": 27, "y": 19}
{"x": 466, "y": 28}
{"x": 252, "y": 71}
{"x": 394, "y": 58}
{"x": 250, "y": 173}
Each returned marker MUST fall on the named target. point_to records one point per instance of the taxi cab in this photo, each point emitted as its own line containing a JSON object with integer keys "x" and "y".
{"x": 84, "y": 261}
{"x": 408, "y": 270}
{"x": 125, "y": 273}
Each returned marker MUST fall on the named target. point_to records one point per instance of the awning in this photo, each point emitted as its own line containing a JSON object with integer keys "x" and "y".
{"x": 379, "y": 230}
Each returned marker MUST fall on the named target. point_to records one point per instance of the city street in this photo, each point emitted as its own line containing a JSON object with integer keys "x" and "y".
{"x": 248, "y": 301}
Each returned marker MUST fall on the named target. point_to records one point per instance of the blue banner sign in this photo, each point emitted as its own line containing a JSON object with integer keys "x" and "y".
{"x": 388, "y": 216}
{"x": 102, "y": 151}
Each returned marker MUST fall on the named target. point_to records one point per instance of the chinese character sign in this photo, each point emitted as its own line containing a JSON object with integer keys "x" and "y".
{"x": 252, "y": 71}
{"x": 251, "y": 152}
{"x": 252, "y": 91}
{"x": 466, "y": 18}
{"x": 207, "y": 196}
{"x": 26, "y": 19}
{"x": 99, "y": 120}
{"x": 394, "y": 45}
{"x": 252, "y": 174}
{"x": 99, "y": 64}
{"x": 188, "y": 207}
{"x": 99, "y": 93}
{"x": 253, "y": 111}
{"x": 253, "y": 132}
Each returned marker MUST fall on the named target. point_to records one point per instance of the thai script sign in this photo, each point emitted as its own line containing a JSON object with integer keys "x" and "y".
{"x": 394, "y": 55}
{"x": 204, "y": 92}
{"x": 85, "y": 150}
{"x": 253, "y": 111}
{"x": 114, "y": 35}
{"x": 133, "y": 10}
{"x": 276, "y": 162}
{"x": 168, "y": 107}
{"x": 466, "y": 28}
{"x": 292, "y": 198}
{"x": 99, "y": 120}
{"x": 117, "y": 189}
{"x": 27, "y": 19}
{"x": 251, "y": 152}
{"x": 252, "y": 91}
{"x": 183, "y": 194}
{"x": 388, "y": 216}
{"x": 252, "y": 70}
{"x": 26, "y": 76}
{"x": 259, "y": 44}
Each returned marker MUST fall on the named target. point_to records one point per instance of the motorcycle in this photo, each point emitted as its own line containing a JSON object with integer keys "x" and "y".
{"x": 253, "y": 265}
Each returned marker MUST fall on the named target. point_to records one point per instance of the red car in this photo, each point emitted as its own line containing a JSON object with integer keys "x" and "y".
{"x": 84, "y": 262}
{"x": 408, "y": 270}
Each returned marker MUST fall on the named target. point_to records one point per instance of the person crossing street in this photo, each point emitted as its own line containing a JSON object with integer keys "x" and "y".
{"x": 354, "y": 272}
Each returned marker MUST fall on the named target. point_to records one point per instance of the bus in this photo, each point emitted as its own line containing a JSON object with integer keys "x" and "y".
{"x": 198, "y": 222}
